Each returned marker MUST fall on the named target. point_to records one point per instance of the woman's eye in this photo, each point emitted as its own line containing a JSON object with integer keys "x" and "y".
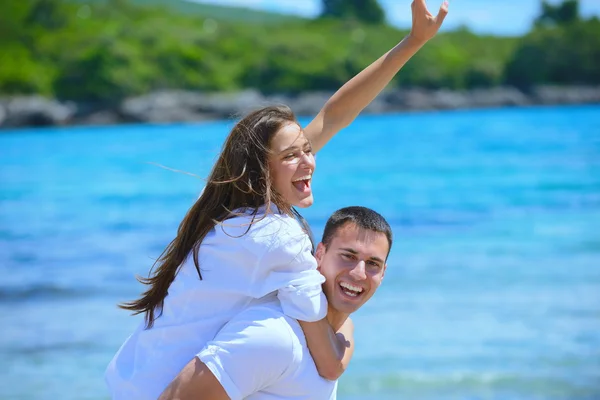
{"x": 289, "y": 156}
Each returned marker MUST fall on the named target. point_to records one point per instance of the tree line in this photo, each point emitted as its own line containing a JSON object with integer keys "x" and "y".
{"x": 107, "y": 50}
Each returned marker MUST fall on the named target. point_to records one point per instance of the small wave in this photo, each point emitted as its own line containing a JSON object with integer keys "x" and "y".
{"x": 577, "y": 187}
{"x": 42, "y": 291}
{"x": 585, "y": 247}
{"x": 433, "y": 220}
{"x": 477, "y": 384}
{"x": 11, "y": 236}
{"x": 122, "y": 199}
{"x": 23, "y": 258}
{"x": 512, "y": 385}
{"x": 123, "y": 226}
{"x": 38, "y": 349}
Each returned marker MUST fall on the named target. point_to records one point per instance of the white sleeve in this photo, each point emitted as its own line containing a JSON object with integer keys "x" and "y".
{"x": 251, "y": 352}
{"x": 289, "y": 268}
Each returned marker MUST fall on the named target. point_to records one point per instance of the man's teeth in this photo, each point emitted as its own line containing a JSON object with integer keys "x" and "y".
{"x": 351, "y": 290}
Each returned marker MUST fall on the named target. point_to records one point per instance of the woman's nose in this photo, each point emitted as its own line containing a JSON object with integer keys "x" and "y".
{"x": 308, "y": 160}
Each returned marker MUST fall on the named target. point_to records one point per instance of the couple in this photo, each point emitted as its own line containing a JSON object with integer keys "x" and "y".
{"x": 262, "y": 354}
{"x": 241, "y": 270}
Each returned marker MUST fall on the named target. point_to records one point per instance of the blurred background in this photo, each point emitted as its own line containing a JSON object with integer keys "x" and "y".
{"x": 483, "y": 153}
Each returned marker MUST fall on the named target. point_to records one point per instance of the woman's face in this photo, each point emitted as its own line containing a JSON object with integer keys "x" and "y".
{"x": 292, "y": 164}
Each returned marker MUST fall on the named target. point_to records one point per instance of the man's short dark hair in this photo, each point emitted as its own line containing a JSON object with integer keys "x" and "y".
{"x": 362, "y": 217}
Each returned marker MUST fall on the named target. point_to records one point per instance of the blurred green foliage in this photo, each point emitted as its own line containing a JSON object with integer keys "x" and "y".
{"x": 369, "y": 11}
{"x": 106, "y": 50}
{"x": 558, "y": 14}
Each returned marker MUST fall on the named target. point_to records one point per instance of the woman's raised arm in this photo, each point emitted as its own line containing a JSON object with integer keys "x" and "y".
{"x": 345, "y": 105}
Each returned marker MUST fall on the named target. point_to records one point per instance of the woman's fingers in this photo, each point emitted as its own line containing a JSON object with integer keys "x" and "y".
{"x": 426, "y": 25}
{"x": 439, "y": 19}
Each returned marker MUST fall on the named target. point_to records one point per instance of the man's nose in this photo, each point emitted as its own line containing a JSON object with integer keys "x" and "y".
{"x": 358, "y": 272}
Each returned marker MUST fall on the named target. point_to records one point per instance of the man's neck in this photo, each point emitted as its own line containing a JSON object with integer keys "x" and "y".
{"x": 336, "y": 318}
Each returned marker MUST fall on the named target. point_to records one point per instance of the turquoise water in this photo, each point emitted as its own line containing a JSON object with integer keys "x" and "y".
{"x": 492, "y": 289}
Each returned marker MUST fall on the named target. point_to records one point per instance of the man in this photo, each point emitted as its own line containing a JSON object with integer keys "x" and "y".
{"x": 262, "y": 353}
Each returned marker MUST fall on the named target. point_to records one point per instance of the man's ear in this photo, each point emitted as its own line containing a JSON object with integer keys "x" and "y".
{"x": 319, "y": 254}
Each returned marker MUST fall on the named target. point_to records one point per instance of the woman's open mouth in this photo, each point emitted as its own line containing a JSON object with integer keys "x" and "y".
{"x": 302, "y": 184}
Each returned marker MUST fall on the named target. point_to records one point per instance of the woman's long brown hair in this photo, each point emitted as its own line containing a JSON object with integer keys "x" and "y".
{"x": 240, "y": 179}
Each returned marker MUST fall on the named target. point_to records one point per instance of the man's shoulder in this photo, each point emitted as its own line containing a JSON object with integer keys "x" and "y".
{"x": 299, "y": 377}
{"x": 254, "y": 351}
{"x": 269, "y": 314}
{"x": 265, "y": 351}
{"x": 262, "y": 332}
{"x": 275, "y": 333}
{"x": 266, "y": 325}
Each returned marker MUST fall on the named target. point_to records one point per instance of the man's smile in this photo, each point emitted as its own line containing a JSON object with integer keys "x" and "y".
{"x": 350, "y": 290}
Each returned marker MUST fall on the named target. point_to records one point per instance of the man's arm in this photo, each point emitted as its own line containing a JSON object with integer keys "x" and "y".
{"x": 345, "y": 105}
{"x": 195, "y": 381}
{"x": 227, "y": 367}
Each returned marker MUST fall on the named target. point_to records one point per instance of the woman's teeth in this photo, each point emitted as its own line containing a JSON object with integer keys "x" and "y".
{"x": 303, "y": 178}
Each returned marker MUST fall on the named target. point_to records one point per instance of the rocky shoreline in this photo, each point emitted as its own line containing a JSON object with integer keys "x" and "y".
{"x": 186, "y": 106}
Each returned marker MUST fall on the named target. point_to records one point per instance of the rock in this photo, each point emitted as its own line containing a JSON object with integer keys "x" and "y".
{"x": 184, "y": 106}
{"x": 566, "y": 95}
{"x": 102, "y": 117}
{"x": 2, "y": 114}
{"x": 166, "y": 106}
{"x": 308, "y": 104}
{"x": 234, "y": 104}
{"x": 281, "y": 100}
{"x": 422, "y": 99}
{"x": 176, "y": 106}
{"x": 450, "y": 100}
{"x": 37, "y": 111}
{"x": 498, "y": 97}
{"x": 409, "y": 99}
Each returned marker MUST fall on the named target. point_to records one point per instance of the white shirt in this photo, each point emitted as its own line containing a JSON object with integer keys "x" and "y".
{"x": 262, "y": 355}
{"x": 240, "y": 264}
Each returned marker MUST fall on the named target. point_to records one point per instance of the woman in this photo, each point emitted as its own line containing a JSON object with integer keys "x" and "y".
{"x": 242, "y": 242}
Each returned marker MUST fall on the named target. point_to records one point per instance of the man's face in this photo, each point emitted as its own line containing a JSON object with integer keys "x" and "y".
{"x": 353, "y": 266}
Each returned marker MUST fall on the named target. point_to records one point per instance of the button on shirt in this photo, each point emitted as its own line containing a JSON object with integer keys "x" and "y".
{"x": 242, "y": 264}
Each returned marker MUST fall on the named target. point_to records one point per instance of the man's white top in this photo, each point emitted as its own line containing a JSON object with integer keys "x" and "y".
{"x": 262, "y": 355}
{"x": 240, "y": 264}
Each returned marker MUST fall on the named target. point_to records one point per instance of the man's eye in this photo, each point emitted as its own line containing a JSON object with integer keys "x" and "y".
{"x": 347, "y": 256}
{"x": 374, "y": 264}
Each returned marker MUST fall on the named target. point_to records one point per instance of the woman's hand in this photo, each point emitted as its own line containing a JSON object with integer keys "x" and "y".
{"x": 341, "y": 109}
{"x": 424, "y": 24}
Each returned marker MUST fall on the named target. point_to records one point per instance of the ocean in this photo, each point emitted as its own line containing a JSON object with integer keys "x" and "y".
{"x": 492, "y": 289}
